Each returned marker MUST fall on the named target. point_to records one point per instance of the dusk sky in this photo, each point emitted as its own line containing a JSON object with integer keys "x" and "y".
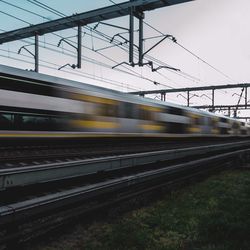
{"x": 215, "y": 30}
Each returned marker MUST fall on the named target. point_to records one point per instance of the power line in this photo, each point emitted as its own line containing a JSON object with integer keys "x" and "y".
{"x": 19, "y": 19}
{"x": 179, "y": 73}
{"x": 103, "y": 79}
{"x": 20, "y": 8}
{"x": 101, "y": 54}
{"x": 48, "y": 8}
{"x": 192, "y": 53}
{"x": 38, "y": 3}
{"x": 92, "y": 61}
{"x": 202, "y": 60}
{"x": 71, "y": 55}
{"x": 44, "y": 6}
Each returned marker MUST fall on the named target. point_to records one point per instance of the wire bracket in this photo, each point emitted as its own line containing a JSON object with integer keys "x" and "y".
{"x": 35, "y": 55}
{"x": 78, "y": 48}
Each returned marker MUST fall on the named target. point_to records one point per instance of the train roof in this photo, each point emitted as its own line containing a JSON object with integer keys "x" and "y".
{"x": 48, "y": 79}
{"x": 37, "y": 78}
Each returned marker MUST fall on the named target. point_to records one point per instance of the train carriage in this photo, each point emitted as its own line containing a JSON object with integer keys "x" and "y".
{"x": 36, "y": 105}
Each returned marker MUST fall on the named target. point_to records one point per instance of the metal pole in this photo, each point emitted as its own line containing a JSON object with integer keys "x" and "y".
{"x": 131, "y": 37}
{"x": 79, "y": 47}
{"x": 246, "y": 97}
{"x": 188, "y": 98}
{"x": 212, "y": 100}
{"x": 141, "y": 40}
{"x": 36, "y": 53}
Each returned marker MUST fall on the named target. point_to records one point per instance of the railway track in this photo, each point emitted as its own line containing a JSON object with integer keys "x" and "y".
{"x": 25, "y": 154}
{"x": 15, "y": 176}
{"x": 52, "y": 208}
{"x": 15, "y": 157}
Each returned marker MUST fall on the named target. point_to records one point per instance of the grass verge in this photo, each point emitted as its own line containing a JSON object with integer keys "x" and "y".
{"x": 214, "y": 214}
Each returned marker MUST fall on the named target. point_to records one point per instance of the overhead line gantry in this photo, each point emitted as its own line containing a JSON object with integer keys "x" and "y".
{"x": 243, "y": 86}
{"x": 133, "y": 8}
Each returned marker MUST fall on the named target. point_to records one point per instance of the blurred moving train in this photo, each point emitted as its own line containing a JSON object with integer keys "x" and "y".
{"x": 35, "y": 105}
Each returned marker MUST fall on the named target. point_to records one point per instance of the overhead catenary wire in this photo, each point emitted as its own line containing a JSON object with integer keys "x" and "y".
{"x": 93, "y": 61}
{"x": 103, "y": 79}
{"x": 72, "y": 55}
{"x": 19, "y": 19}
{"x": 20, "y": 8}
{"x": 38, "y": 3}
{"x": 42, "y": 5}
{"x": 192, "y": 53}
{"x": 181, "y": 74}
{"x": 61, "y": 14}
{"x": 22, "y": 20}
{"x": 160, "y": 63}
{"x": 133, "y": 74}
{"x": 54, "y": 11}
{"x": 184, "y": 75}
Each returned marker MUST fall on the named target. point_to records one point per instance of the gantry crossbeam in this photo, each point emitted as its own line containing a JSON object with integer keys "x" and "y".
{"x": 202, "y": 88}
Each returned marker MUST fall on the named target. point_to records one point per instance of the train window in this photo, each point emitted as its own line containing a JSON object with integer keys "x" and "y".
{"x": 197, "y": 121}
{"x": 6, "y": 121}
{"x": 175, "y": 111}
{"x": 235, "y": 125}
{"x": 112, "y": 110}
{"x": 214, "y": 123}
{"x": 129, "y": 110}
{"x": 224, "y": 120}
{"x": 145, "y": 114}
{"x": 18, "y": 121}
{"x": 176, "y": 128}
{"x": 41, "y": 123}
{"x": 107, "y": 110}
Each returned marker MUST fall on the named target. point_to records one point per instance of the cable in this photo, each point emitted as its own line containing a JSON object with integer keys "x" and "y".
{"x": 101, "y": 64}
{"x": 192, "y": 53}
{"x": 20, "y": 8}
{"x": 112, "y": 82}
{"x": 92, "y": 61}
{"x": 19, "y": 19}
{"x": 181, "y": 73}
{"x": 86, "y": 59}
{"x": 38, "y": 3}
{"x": 63, "y": 15}
{"x": 202, "y": 60}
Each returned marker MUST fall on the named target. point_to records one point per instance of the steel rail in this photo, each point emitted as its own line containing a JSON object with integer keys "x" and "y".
{"x": 15, "y": 177}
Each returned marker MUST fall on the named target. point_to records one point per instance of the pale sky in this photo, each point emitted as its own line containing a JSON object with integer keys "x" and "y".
{"x": 215, "y": 30}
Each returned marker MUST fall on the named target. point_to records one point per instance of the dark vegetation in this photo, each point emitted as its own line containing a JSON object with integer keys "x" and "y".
{"x": 214, "y": 214}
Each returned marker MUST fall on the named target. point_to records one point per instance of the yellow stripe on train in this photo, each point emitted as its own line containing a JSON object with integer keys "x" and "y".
{"x": 152, "y": 127}
{"x": 194, "y": 130}
{"x": 94, "y": 99}
{"x": 215, "y": 131}
{"x": 150, "y": 108}
{"x": 95, "y": 124}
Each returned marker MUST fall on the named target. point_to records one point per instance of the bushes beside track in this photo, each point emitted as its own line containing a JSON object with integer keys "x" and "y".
{"x": 213, "y": 214}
